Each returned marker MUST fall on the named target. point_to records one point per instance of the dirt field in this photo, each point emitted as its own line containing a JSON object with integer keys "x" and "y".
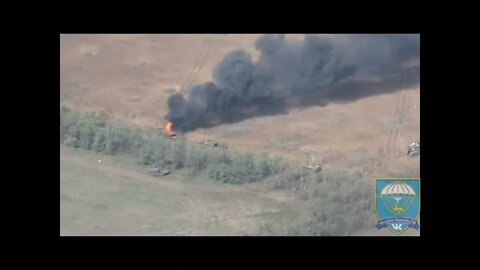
{"x": 133, "y": 75}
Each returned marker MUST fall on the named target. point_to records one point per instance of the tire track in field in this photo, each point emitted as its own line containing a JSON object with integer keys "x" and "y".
{"x": 401, "y": 113}
{"x": 202, "y": 61}
{"x": 393, "y": 125}
{"x": 188, "y": 79}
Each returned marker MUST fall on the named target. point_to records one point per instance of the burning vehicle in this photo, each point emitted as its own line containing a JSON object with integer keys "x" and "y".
{"x": 169, "y": 130}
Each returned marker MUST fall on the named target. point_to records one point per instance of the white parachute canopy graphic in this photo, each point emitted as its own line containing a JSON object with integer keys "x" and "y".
{"x": 398, "y": 188}
{"x": 398, "y": 197}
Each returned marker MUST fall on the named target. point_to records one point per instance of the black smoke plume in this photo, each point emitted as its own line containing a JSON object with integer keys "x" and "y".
{"x": 314, "y": 71}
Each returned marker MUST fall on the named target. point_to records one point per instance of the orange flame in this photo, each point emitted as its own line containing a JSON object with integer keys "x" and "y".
{"x": 169, "y": 128}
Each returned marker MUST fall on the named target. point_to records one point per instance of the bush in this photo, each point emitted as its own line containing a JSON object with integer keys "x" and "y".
{"x": 147, "y": 154}
{"x": 80, "y": 130}
{"x": 100, "y": 141}
{"x": 154, "y": 151}
{"x": 179, "y": 152}
{"x": 244, "y": 167}
{"x": 341, "y": 204}
{"x": 67, "y": 119}
{"x": 223, "y": 173}
{"x": 287, "y": 179}
{"x": 267, "y": 167}
{"x": 196, "y": 159}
